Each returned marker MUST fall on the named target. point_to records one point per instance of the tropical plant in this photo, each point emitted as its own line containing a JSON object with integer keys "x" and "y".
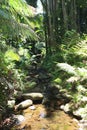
{"x": 15, "y": 21}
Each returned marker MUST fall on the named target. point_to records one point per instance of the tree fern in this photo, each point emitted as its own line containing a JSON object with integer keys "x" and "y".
{"x": 13, "y": 16}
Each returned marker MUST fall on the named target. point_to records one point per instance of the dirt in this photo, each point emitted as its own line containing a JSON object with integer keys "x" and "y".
{"x": 40, "y": 119}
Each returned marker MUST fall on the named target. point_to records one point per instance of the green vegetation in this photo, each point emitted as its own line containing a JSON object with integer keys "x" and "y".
{"x": 68, "y": 67}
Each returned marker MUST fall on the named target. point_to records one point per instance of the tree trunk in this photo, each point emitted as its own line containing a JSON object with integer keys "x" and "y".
{"x": 73, "y": 13}
{"x": 65, "y": 16}
{"x": 50, "y": 23}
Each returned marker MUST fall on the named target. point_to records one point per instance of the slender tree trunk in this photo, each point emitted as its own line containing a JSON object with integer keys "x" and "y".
{"x": 73, "y": 13}
{"x": 49, "y": 29}
{"x": 65, "y": 16}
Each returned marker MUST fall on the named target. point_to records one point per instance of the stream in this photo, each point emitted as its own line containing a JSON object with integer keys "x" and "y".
{"x": 36, "y": 119}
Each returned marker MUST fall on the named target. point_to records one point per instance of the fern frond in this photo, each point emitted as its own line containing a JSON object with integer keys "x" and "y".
{"x": 11, "y": 15}
{"x": 4, "y": 14}
{"x": 21, "y": 7}
{"x": 82, "y": 48}
{"x": 80, "y": 74}
{"x": 73, "y": 79}
{"x": 67, "y": 68}
{"x": 28, "y": 32}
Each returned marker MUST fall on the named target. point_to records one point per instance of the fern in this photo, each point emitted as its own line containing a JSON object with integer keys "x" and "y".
{"x": 79, "y": 74}
{"x": 14, "y": 19}
{"x": 82, "y": 48}
{"x": 66, "y": 67}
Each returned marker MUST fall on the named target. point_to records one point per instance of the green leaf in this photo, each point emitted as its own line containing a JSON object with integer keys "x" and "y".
{"x": 11, "y": 55}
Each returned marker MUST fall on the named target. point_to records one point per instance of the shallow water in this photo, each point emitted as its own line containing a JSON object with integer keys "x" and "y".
{"x": 38, "y": 120}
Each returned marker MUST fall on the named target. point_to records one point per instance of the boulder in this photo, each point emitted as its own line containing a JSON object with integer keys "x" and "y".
{"x": 33, "y": 96}
{"x": 24, "y": 104}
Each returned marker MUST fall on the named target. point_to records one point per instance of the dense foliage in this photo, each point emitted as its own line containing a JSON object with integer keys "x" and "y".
{"x": 20, "y": 28}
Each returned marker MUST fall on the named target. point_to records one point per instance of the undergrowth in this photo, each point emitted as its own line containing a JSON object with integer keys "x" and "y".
{"x": 68, "y": 66}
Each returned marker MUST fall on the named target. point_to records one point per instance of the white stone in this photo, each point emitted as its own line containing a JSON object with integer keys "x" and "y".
{"x": 66, "y": 107}
{"x": 24, "y": 104}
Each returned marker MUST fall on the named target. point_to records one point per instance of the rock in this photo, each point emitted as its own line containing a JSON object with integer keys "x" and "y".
{"x": 66, "y": 108}
{"x": 33, "y": 96}
{"x": 19, "y": 119}
{"x": 24, "y": 104}
{"x": 11, "y": 103}
{"x": 32, "y": 107}
{"x": 80, "y": 112}
{"x": 83, "y": 124}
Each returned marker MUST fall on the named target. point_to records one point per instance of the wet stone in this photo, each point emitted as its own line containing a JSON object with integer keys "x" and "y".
{"x": 32, "y": 107}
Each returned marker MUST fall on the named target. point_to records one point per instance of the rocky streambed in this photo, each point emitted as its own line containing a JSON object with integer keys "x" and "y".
{"x": 35, "y": 118}
{"x": 31, "y": 115}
